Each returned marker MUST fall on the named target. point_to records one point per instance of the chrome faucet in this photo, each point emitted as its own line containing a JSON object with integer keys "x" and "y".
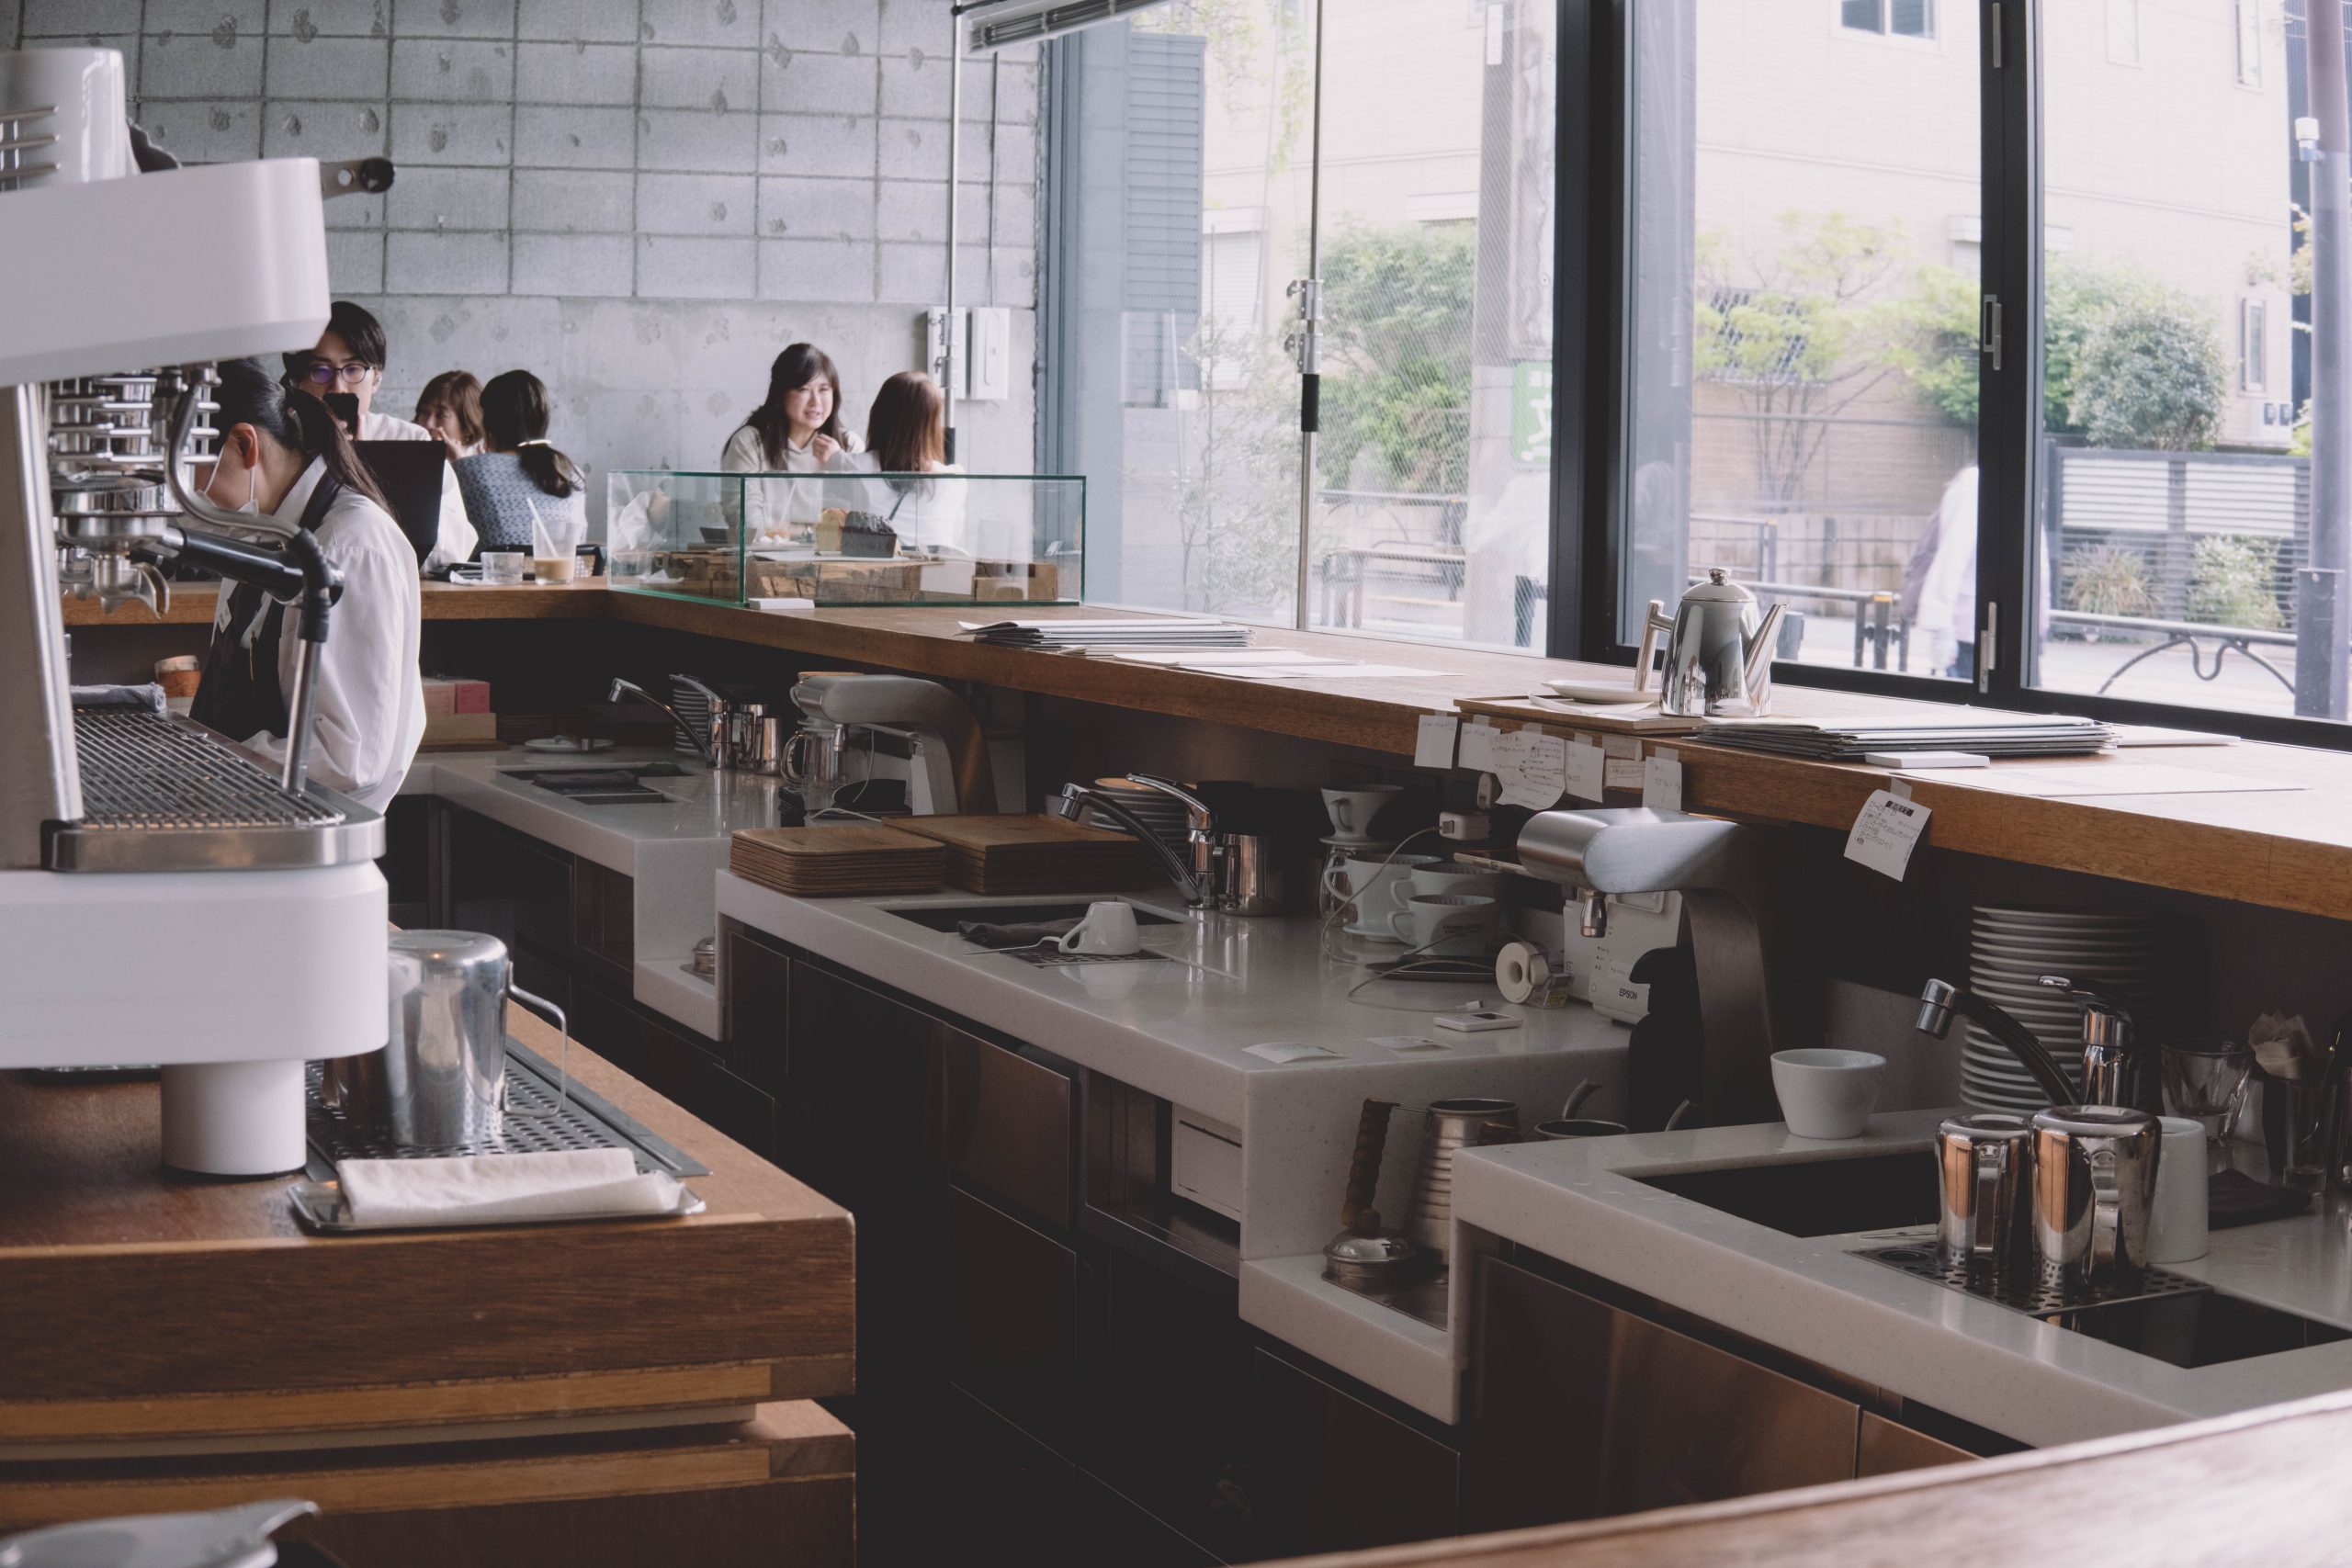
{"x": 1198, "y": 890}
{"x": 1749, "y": 993}
{"x": 621, "y": 688}
{"x": 1940, "y": 999}
{"x": 2111, "y": 1073}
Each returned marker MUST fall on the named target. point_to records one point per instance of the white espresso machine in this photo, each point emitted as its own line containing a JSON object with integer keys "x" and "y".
{"x": 165, "y": 898}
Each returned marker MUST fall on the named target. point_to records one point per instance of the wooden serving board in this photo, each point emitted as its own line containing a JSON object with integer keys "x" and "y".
{"x": 1032, "y": 852}
{"x": 849, "y": 858}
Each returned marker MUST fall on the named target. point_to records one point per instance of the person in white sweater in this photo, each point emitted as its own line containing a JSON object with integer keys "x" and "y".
{"x": 906, "y": 438}
{"x": 795, "y": 430}
{"x": 349, "y": 357}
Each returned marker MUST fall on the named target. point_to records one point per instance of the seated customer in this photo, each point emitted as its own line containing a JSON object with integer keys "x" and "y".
{"x": 521, "y": 478}
{"x": 795, "y": 431}
{"x": 349, "y": 357}
{"x": 906, "y": 435}
{"x": 450, "y": 407}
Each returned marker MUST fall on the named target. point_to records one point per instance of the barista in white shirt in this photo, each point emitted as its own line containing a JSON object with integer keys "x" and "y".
{"x": 795, "y": 430}
{"x": 350, "y": 358}
{"x": 282, "y": 454}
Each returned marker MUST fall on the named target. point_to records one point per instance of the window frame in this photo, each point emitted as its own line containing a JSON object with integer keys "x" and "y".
{"x": 1885, "y": 29}
{"x": 2009, "y": 432}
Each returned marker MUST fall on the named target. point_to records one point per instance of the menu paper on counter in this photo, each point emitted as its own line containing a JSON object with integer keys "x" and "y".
{"x": 1887, "y": 831}
{"x": 1408, "y": 1044}
{"x": 1662, "y": 780}
{"x": 1433, "y": 739}
{"x": 1282, "y": 1052}
{"x": 1532, "y": 767}
{"x": 1588, "y": 771}
{"x": 1476, "y": 751}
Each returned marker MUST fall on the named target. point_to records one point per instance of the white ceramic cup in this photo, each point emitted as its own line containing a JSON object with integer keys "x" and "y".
{"x": 1352, "y": 809}
{"x": 1378, "y": 887}
{"x": 1108, "y": 929}
{"x": 1827, "y": 1094}
{"x": 2176, "y": 1223}
{"x": 1448, "y": 924}
{"x": 1452, "y": 877}
{"x": 92, "y": 122}
{"x": 504, "y": 566}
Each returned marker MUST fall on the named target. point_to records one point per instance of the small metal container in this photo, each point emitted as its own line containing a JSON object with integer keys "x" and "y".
{"x": 1450, "y": 1126}
{"x": 2094, "y": 1190}
{"x": 1985, "y": 1182}
{"x": 445, "y": 1066}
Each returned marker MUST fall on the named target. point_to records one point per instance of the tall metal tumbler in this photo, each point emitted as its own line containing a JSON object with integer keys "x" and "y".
{"x": 2094, "y": 1189}
{"x": 1451, "y": 1125}
{"x": 1985, "y": 1185}
{"x": 445, "y": 1068}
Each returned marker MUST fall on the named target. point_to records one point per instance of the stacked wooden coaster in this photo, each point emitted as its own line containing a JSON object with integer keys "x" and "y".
{"x": 837, "y": 861}
{"x": 1020, "y": 852}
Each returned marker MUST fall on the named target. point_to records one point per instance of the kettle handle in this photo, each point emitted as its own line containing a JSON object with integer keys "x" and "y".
{"x": 1655, "y": 621}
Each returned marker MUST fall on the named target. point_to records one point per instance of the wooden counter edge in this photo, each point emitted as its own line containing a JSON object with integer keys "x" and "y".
{"x": 2255, "y": 1487}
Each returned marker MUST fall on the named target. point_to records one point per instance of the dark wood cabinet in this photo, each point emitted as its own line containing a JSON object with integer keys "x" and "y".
{"x": 1015, "y": 1299}
{"x": 1008, "y": 1125}
{"x": 758, "y": 1003}
{"x": 1331, "y": 1472}
{"x": 513, "y": 887}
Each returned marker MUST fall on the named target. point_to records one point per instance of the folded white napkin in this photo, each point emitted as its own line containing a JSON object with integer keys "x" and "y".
{"x": 482, "y": 1188}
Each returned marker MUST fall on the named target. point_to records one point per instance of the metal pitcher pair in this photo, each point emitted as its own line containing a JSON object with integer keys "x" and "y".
{"x": 2070, "y": 1192}
{"x": 1718, "y": 651}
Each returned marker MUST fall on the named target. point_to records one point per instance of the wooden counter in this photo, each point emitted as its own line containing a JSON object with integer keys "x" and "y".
{"x": 2286, "y": 850}
{"x": 2258, "y": 1488}
{"x": 167, "y": 1340}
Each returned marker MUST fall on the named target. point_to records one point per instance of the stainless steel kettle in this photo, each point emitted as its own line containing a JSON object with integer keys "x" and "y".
{"x": 1718, "y": 651}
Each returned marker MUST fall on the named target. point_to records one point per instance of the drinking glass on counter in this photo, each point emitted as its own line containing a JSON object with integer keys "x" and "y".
{"x": 2206, "y": 1080}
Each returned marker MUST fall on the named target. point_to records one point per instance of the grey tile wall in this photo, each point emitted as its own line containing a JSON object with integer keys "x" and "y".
{"x": 640, "y": 199}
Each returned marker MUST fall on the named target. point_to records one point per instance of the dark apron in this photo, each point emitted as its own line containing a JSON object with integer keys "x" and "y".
{"x": 238, "y": 693}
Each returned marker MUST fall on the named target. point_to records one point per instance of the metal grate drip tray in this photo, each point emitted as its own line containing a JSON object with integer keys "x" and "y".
{"x": 2026, "y": 1293}
{"x": 1053, "y": 958}
{"x": 143, "y": 772}
{"x": 587, "y": 1121}
{"x": 162, "y": 794}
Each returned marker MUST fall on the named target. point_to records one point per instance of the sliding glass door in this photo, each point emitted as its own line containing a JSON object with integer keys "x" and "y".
{"x": 1222, "y": 168}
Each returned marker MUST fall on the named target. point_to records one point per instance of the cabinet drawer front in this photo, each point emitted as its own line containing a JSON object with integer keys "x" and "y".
{"x": 1014, "y": 1297}
{"x": 1009, "y": 1126}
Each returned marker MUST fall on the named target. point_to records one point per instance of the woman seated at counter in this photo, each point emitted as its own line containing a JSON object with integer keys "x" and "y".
{"x": 450, "y": 407}
{"x": 521, "y": 479}
{"x": 906, "y": 437}
{"x": 282, "y": 454}
{"x": 797, "y": 430}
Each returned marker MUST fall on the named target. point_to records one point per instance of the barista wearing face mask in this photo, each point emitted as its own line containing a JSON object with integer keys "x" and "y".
{"x": 282, "y": 454}
{"x": 350, "y": 358}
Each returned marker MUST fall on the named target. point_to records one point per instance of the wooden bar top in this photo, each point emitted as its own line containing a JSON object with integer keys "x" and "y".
{"x": 2257, "y": 1488}
{"x": 146, "y": 1305}
{"x": 2287, "y": 850}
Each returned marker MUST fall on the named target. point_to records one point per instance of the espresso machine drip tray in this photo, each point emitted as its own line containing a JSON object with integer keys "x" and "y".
{"x": 162, "y": 793}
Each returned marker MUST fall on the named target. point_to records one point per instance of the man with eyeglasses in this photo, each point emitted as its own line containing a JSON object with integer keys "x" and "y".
{"x": 349, "y": 357}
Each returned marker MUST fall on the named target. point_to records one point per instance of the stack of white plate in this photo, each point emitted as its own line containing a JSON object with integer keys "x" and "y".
{"x": 1163, "y": 814}
{"x": 2009, "y": 949}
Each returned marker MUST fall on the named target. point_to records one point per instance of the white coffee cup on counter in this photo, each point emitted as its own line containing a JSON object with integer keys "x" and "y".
{"x": 1446, "y": 924}
{"x": 1827, "y": 1094}
{"x": 1108, "y": 930}
{"x": 1378, "y": 886}
{"x": 2176, "y": 1223}
{"x": 1351, "y": 811}
{"x": 1452, "y": 877}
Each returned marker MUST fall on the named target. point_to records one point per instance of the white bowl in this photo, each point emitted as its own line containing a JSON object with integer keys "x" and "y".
{"x": 1827, "y": 1094}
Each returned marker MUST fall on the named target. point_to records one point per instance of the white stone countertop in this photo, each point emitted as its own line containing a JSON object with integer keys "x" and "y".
{"x": 1583, "y": 1204}
{"x": 670, "y": 849}
{"x": 1179, "y": 1028}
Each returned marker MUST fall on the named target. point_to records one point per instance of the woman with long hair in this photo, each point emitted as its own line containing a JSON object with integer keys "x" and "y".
{"x": 796, "y": 429}
{"x": 906, "y": 442}
{"x": 520, "y": 480}
{"x": 282, "y": 455}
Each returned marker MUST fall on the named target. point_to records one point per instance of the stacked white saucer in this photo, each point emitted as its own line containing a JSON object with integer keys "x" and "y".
{"x": 2009, "y": 949}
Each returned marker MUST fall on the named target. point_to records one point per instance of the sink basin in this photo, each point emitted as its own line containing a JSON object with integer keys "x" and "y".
{"x": 1817, "y": 1196}
{"x": 620, "y": 797}
{"x": 2199, "y": 1328}
{"x": 947, "y": 917}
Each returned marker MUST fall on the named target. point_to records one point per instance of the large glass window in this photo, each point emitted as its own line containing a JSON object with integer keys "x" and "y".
{"x": 2178, "y": 498}
{"x": 1802, "y": 240}
{"x": 1192, "y": 201}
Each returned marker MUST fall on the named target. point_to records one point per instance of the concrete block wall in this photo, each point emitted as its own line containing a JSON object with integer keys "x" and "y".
{"x": 640, "y": 200}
